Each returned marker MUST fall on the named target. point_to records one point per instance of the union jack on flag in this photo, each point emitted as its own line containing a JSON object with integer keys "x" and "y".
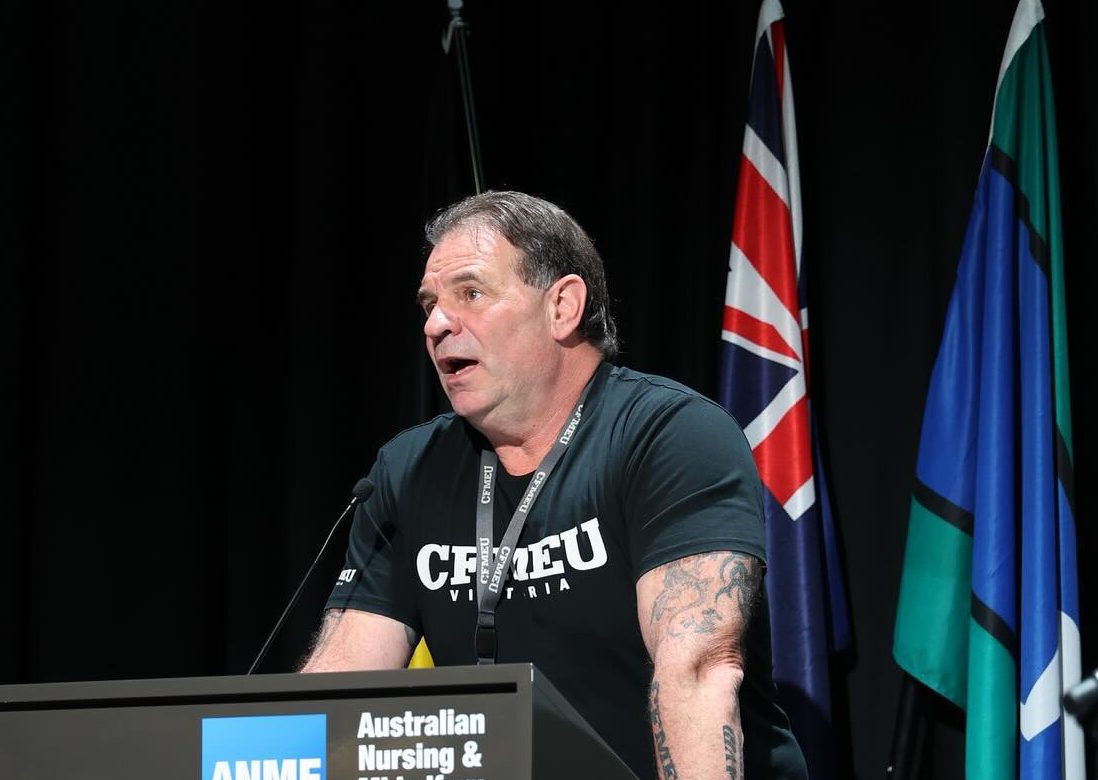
{"x": 764, "y": 384}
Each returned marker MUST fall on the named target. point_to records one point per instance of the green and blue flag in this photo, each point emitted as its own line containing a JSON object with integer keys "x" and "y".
{"x": 988, "y": 612}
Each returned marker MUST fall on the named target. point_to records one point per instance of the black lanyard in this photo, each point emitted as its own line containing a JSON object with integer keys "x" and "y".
{"x": 492, "y": 569}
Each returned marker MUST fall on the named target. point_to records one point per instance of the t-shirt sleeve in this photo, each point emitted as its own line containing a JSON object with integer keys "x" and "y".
{"x": 375, "y": 575}
{"x": 691, "y": 485}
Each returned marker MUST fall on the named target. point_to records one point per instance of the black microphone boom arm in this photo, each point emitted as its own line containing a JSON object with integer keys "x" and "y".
{"x": 360, "y": 492}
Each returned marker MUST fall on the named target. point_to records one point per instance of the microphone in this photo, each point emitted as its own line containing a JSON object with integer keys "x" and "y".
{"x": 359, "y": 493}
{"x": 1081, "y": 698}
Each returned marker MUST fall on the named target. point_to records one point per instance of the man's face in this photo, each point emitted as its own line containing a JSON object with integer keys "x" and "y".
{"x": 486, "y": 331}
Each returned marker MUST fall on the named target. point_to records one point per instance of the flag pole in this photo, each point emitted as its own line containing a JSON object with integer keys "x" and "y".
{"x": 456, "y": 34}
{"x": 905, "y": 738}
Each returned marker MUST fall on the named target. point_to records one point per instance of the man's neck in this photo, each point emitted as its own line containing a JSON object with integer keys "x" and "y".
{"x": 521, "y": 454}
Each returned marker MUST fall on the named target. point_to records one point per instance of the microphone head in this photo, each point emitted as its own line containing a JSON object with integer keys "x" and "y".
{"x": 1081, "y": 700}
{"x": 362, "y": 489}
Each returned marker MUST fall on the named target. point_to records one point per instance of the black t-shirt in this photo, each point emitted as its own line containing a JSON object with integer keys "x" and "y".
{"x": 653, "y": 472}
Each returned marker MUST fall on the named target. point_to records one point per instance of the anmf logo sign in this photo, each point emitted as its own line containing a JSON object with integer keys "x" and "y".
{"x": 265, "y": 747}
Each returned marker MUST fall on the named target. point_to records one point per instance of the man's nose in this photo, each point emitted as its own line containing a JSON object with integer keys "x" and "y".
{"x": 439, "y": 322}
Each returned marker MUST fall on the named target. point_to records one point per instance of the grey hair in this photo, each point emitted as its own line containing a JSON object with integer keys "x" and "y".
{"x": 552, "y": 245}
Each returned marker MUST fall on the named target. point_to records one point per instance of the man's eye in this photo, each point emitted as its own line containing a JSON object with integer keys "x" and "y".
{"x": 472, "y": 294}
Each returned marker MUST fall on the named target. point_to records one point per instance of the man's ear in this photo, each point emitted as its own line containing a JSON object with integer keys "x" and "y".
{"x": 567, "y": 301}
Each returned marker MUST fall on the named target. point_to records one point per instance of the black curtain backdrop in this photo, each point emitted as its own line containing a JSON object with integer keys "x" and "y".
{"x": 211, "y": 230}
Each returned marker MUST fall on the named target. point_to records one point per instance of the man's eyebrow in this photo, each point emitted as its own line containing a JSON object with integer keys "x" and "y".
{"x": 423, "y": 296}
{"x": 464, "y": 276}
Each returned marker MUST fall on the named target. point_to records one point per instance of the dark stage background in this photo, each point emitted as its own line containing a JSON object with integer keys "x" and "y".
{"x": 211, "y": 230}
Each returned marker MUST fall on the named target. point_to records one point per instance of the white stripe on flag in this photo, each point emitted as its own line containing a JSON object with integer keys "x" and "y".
{"x": 762, "y": 426}
{"x": 801, "y": 500}
{"x": 761, "y": 351}
{"x": 792, "y": 161}
{"x": 768, "y": 166}
{"x": 749, "y": 292}
{"x": 1041, "y": 708}
{"x": 770, "y": 12}
{"x": 1027, "y": 15}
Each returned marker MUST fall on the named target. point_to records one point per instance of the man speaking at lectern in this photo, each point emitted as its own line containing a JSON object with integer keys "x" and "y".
{"x": 603, "y": 524}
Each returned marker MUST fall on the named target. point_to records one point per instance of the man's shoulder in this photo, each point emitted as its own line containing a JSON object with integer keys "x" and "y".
{"x": 443, "y": 428}
{"x": 651, "y": 407}
{"x": 631, "y": 387}
{"x": 629, "y": 380}
{"x": 424, "y": 451}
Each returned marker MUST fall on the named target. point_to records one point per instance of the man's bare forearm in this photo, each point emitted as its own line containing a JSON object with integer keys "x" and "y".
{"x": 699, "y": 609}
{"x": 696, "y": 726}
{"x": 321, "y": 640}
{"x": 350, "y": 640}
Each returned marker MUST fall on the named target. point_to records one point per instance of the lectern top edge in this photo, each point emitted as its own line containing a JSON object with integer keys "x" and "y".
{"x": 515, "y": 677}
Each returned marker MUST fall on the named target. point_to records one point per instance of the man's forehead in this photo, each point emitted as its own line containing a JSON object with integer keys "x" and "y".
{"x": 467, "y": 249}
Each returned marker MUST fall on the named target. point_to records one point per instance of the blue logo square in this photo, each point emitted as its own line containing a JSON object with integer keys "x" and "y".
{"x": 289, "y": 747}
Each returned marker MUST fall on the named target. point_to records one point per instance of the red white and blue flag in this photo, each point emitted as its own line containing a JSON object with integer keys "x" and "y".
{"x": 764, "y": 384}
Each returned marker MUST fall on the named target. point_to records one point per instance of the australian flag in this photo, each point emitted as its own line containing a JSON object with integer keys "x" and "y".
{"x": 764, "y": 384}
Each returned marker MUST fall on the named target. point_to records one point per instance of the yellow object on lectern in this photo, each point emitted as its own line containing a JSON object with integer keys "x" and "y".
{"x": 421, "y": 658}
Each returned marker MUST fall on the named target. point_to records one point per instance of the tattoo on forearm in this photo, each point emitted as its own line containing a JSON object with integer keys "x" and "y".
{"x": 663, "y": 752}
{"x": 687, "y": 585}
{"x": 684, "y": 590}
{"x": 733, "y": 758}
{"x": 740, "y": 579}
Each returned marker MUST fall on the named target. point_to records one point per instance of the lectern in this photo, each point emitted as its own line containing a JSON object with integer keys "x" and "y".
{"x": 503, "y": 722}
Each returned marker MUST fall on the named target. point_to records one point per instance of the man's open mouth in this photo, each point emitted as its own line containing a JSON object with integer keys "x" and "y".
{"x": 455, "y": 365}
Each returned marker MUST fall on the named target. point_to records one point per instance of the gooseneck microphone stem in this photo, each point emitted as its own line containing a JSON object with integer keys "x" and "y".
{"x": 361, "y": 491}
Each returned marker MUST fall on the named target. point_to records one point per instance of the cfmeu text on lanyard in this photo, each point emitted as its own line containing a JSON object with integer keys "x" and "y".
{"x": 492, "y": 569}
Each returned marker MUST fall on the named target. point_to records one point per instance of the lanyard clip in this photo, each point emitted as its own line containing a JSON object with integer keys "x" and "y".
{"x": 484, "y": 639}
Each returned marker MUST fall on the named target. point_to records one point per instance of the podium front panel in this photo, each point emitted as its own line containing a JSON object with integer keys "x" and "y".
{"x": 502, "y": 722}
{"x": 361, "y": 726}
